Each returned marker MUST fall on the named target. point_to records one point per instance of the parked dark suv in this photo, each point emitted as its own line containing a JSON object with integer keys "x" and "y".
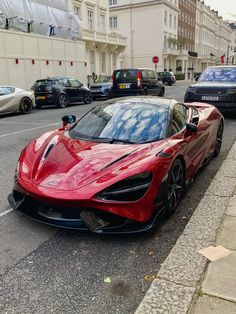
{"x": 167, "y": 77}
{"x": 217, "y": 86}
{"x": 136, "y": 82}
{"x": 60, "y": 91}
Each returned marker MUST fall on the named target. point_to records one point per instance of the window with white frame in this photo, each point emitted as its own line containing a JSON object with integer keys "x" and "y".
{"x": 90, "y": 19}
{"x": 170, "y": 20}
{"x": 113, "y": 22}
{"x": 102, "y": 23}
{"x": 103, "y": 62}
{"x": 92, "y": 61}
{"x": 114, "y": 61}
{"x": 77, "y": 10}
{"x": 112, "y": 2}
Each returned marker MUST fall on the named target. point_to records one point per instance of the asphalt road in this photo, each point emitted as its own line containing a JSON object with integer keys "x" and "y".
{"x": 46, "y": 270}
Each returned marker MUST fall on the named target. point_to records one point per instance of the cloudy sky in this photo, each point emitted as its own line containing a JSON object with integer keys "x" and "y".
{"x": 226, "y": 8}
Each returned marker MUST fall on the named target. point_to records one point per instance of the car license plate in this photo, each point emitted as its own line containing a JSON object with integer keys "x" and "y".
{"x": 124, "y": 85}
{"x": 95, "y": 90}
{"x": 40, "y": 97}
{"x": 212, "y": 98}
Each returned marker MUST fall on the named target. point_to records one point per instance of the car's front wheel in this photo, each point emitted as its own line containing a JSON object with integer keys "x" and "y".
{"x": 88, "y": 98}
{"x": 175, "y": 186}
{"x": 62, "y": 101}
{"x": 26, "y": 105}
{"x": 218, "y": 140}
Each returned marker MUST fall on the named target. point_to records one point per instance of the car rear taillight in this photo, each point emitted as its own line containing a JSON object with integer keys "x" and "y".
{"x": 113, "y": 77}
{"x": 139, "y": 79}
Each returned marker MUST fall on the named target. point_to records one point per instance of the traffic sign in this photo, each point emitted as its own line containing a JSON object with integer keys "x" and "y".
{"x": 155, "y": 59}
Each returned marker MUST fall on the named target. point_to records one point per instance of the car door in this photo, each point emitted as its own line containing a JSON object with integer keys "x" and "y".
{"x": 68, "y": 90}
{"x": 151, "y": 82}
{"x": 194, "y": 144}
{"x": 78, "y": 92}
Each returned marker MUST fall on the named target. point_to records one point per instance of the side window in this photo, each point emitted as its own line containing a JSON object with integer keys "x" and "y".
{"x": 144, "y": 74}
{"x": 179, "y": 118}
{"x": 151, "y": 75}
{"x": 74, "y": 83}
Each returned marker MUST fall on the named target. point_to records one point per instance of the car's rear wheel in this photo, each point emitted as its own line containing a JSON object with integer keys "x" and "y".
{"x": 62, "y": 101}
{"x": 26, "y": 105}
{"x": 88, "y": 98}
{"x": 218, "y": 141}
{"x": 175, "y": 186}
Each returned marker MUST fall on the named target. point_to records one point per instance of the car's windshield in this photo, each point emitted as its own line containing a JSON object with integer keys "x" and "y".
{"x": 127, "y": 121}
{"x": 220, "y": 74}
{"x": 6, "y": 90}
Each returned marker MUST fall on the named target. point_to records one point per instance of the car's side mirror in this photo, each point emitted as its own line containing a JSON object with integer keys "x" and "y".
{"x": 191, "y": 128}
{"x": 68, "y": 119}
{"x": 196, "y": 78}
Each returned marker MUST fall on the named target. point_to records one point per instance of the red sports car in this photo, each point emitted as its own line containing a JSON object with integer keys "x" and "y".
{"x": 118, "y": 167}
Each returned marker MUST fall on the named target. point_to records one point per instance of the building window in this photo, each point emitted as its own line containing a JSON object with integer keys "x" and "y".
{"x": 113, "y": 22}
{"x": 103, "y": 62}
{"x": 170, "y": 21}
{"x": 77, "y": 10}
{"x": 112, "y": 2}
{"x": 90, "y": 19}
{"x": 165, "y": 18}
{"x": 102, "y": 23}
{"x": 175, "y": 24}
{"x": 114, "y": 61}
{"x": 92, "y": 61}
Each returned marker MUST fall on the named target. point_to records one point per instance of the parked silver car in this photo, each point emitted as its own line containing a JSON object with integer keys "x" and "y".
{"x": 16, "y": 99}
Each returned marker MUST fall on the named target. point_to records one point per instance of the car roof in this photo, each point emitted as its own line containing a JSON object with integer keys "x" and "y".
{"x": 134, "y": 69}
{"x": 55, "y": 78}
{"x": 221, "y": 66}
{"x": 154, "y": 100}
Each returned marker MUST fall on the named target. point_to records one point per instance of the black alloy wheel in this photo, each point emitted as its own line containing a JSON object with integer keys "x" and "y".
{"x": 88, "y": 98}
{"x": 175, "y": 186}
{"x": 218, "y": 141}
{"x": 26, "y": 105}
{"x": 62, "y": 101}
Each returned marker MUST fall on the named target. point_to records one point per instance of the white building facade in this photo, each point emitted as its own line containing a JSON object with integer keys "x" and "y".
{"x": 212, "y": 37}
{"x": 102, "y": 47}
{"x": 151, "y": 30}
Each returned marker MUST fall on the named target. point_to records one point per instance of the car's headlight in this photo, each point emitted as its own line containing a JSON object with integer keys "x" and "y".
{"x": 232, "y": 91}
{"x": 191, "y": 89}
{"x": 128, "y": 190}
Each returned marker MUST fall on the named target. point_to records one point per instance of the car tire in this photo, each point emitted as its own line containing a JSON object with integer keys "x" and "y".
{"x": 26, "y": 105}
{"x": 38, "y": 106}
{"x": 62, "y": 101}
{"x": 174, "y": 187}
{"x": 218, "y": 140}
{"x": 162, "y": 92}
{"x": 88, "y": 98}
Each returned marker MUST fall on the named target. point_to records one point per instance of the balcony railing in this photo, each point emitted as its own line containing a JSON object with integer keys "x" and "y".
{"x": 106, "y": 38}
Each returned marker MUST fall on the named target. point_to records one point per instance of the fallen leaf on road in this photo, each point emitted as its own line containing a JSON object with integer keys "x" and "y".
{"x": 150, "y": 253}
{"x": 184, "y": 217}
{"x": 132, "y": 252}
{"x": 149, "y": 277}
{"x": 107, "y": 280}
{"x": 213, "y": 253}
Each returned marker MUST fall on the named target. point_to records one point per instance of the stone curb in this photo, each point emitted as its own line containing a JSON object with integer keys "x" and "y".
{"x": 173, "y": 291}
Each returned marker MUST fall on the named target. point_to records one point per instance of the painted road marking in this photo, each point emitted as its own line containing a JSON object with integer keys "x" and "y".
{"x": 27, "y": 130}
{"x": 6, "y": 212}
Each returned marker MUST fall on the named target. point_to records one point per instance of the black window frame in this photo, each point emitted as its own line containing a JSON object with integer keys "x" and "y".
{"x": 170, "y": 134}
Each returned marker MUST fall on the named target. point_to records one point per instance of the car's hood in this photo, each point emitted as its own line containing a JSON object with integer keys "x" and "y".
{"x": 214, "y": 84}
{"x": 101, "y": 84}
{"x": 64, "y": 163}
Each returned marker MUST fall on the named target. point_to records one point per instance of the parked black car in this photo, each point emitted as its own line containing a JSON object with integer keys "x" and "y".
{"x": 167, "y": 77}
{"x": 217, "y": 86}
{"x": 136, "y": 82}
{"x": 60, "y": 91}
{"x": 102, "y": 87}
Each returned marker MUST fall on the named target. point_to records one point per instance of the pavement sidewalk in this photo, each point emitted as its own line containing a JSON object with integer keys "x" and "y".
{"x": 187, "y": 282}
{"x": 217, "y": 293}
